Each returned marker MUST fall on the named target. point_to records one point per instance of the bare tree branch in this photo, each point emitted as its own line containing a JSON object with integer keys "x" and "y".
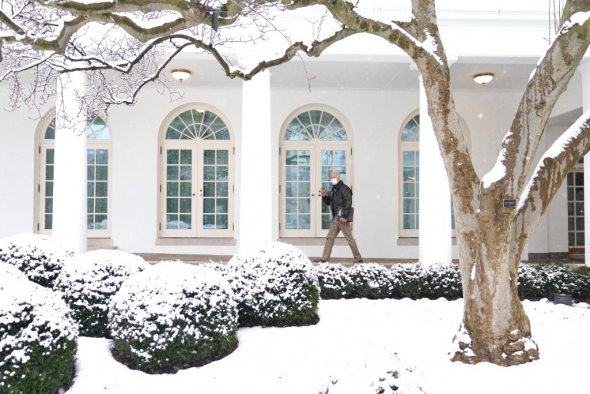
{"x": 548, "y": 82}
{"x": 546, "y": 181}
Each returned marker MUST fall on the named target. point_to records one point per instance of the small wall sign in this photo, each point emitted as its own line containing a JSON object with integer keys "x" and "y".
{"x": 509, "y": 203}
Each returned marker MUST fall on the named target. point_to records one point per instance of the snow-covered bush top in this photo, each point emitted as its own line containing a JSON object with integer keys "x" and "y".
{"x": 31, "y": 317}
{"x": 170, "y": 302}
{"x": 334, "y": 280}
{"x": 41, "y": 258}
{"x": 216, "y": 266}
{"x": 274, "y": 284}
{"x": 90, "y": 280}
{"x": 371, "y": 281}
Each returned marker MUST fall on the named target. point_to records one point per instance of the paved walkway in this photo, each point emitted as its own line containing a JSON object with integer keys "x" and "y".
{"x": 198, "y": 259}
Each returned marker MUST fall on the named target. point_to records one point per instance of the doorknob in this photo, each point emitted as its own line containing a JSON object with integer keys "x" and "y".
{"x": 201, "y": 193}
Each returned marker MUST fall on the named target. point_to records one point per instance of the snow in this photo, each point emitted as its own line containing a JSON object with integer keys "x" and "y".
{"x": 555, "y": 150}
{"x": 354, "y": 344}
{"x": 151, "y": 20}
{"x": 382, "y": 11}
{"x": 497, "y": 173}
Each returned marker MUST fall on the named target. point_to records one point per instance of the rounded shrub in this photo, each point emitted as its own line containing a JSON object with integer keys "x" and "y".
{"x": 370, "y": 280}
{"x": 40, "y": 258}
{"x": 274, "y": 285}
{"x": 172, "y": 316}
{"x": 334, "y": 281}
{"x": 38, "y": 337}
{"x": 90, "y": 280}
{"x": 442, "y": 280}
{"x": 408, "y": 280}
{"x": 530, "y": 284}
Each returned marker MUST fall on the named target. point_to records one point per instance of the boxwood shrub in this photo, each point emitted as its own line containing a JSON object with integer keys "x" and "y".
{"x": 90, "y": 280}
{"x": 334, "y": 280}
{"x": 370, "y": 280}
{"x": 408, "y": 280}
{"x": 274, "y": 285}
{"x": 38, "y": 337}
{"x": 442, "y": 280}
{"x": 547, "y": 279}
{"x": 39, "y": 257}
{"x": 172, "y": 316}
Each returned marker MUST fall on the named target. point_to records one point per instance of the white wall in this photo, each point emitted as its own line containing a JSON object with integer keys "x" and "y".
{"x": 135, "y": 133}
{"x": 17, "y": 168}
{"x": 375, "y": 117}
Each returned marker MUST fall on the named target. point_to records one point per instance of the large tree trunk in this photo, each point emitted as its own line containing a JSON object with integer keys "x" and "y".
{"x": 495, "y": 327}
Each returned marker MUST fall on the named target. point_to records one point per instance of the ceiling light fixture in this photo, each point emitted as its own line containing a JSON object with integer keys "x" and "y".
{"x": 181, "y": 74}
{"x": 483, "y": 79}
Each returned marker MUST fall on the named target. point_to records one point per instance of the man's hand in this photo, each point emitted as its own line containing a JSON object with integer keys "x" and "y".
{"x": 323, "y": 192}
{"x": 343, "y": 220}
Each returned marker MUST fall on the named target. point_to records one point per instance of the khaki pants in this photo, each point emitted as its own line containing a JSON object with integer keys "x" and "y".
{"x": 335, "y": 228}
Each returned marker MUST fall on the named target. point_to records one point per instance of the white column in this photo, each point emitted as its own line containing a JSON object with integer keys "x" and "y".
{"x": 256, "y": 162}
{"x": 585, "y": 71}
{"x": 69, "y": 198}
{"x": 435, "y": 197}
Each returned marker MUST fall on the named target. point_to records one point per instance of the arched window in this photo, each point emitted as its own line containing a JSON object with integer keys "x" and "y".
{"x": 98, "y": 175}
{"x": 409, "y": 157}
{"x": 409, "y": 176}
{"x": 196, "y": 175}
{"x": 315, "y": 141}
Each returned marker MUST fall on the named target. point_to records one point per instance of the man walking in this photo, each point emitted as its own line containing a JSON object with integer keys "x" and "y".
{"x": 340, "y": 202}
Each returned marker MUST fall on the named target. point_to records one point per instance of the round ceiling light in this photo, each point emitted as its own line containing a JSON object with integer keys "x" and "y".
{"x": 181, "y": 74}
{"x": 483, "y": 79}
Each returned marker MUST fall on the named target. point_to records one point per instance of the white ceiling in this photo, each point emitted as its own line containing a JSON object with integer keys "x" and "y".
{"x": 372, "y": 74}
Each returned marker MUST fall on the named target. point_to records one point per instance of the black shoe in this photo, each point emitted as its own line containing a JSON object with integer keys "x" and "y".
{"x": 320, "y": 261}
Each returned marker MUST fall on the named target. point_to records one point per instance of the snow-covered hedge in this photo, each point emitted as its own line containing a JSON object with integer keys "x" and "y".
{"x": 335, "y": 281}
{"x": 38, "y": 336}
{"x": 39, "y": 257}
{"x": 408, "y": 280}
{"x": 90, "y": 280}
{"x": 275, "y": 285}
{"x": 415, "y": 281}
{"x": 173, "y": 316}
{"x": 370, "y": 280}
{"x": 547, "y": 279}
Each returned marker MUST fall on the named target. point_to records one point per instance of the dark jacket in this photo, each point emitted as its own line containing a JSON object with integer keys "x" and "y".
{"x": 339, "y": 196}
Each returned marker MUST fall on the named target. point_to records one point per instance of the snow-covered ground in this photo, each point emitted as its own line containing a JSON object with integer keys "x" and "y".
{"x": 353, "y": 345}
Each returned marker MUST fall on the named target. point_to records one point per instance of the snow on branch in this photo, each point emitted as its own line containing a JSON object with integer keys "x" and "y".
{"x": 554, "y": 166}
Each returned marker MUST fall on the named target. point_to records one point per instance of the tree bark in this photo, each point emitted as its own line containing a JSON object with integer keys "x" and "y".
{"x": 495, "y": 327}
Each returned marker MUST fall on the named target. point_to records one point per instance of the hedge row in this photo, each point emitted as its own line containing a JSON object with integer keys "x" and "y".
{"x": 416, "y": 281}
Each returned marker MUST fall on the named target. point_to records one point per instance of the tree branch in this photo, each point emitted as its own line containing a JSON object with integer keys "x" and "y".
{"x": 546, "y": 181}
{"x": 547, "y": 83}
